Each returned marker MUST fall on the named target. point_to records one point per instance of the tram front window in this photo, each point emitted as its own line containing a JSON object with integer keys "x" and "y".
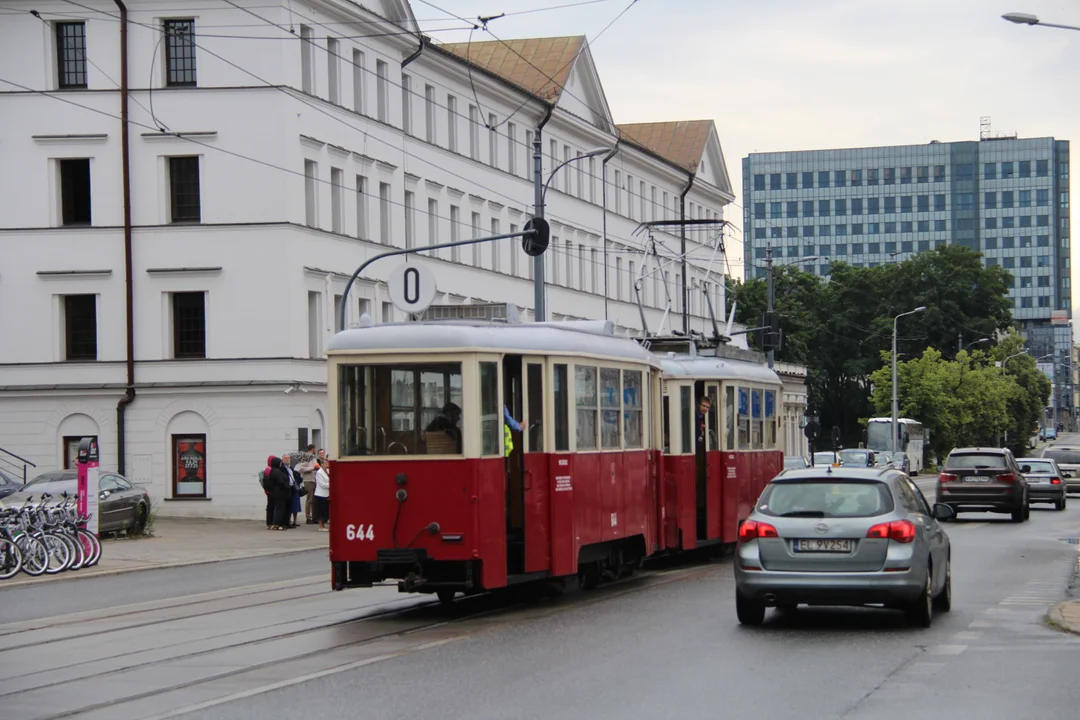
{"x": 401, "y": 409}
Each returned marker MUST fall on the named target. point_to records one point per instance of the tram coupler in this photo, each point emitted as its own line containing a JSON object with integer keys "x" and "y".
{"x": 411, "y": 583}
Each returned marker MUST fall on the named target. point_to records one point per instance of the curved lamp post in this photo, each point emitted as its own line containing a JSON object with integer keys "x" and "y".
{"x": 895, "y": 404}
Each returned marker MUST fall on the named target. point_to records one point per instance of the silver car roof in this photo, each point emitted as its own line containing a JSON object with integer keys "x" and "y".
{"x": 841, "y": 473}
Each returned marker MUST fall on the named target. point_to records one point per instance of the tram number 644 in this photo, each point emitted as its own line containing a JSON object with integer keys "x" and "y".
{"x": 360, "y": 532}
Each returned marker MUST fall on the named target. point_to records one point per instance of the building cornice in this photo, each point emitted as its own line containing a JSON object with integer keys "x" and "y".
{"x": 64, "y": 274}
{"x": 165, "y": 272}
{"x": 194, "y": 134}
{"x": 70, "y": 139}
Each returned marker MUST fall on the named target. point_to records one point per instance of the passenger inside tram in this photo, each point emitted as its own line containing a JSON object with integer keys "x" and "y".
{"x": 449, "y": 422}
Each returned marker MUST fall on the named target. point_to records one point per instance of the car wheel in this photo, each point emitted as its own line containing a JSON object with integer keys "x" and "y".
{"x": 750, "y": 612}
{"x": 1018, "y": 514}
{"x": 1027, "y": 509}
{"x": 1059, "y": 505}
{"x": 921, "y": 610}
{"x": 943, "y": 600}
{"x": 139, "y": 523}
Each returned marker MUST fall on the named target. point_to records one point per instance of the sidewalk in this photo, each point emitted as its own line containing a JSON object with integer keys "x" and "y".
{"x": 183, "y": 541}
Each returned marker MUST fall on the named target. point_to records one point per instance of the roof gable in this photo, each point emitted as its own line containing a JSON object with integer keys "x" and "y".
{"x": 584, "y": 95}
{"x": 539, "y": 66}
{"x": 397, "y": 11}
{"x": 692, "y": 145}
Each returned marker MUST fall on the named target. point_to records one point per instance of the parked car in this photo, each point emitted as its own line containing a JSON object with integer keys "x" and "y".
{"x": 121, "y": 505}
{"x": 858, "y": 458}
{"x": 1067, "y": 458}
{"x": 1046, "y": 482}
{"x": 843, "y": 536}
{"x": 795, "y": 462}
{"x": 898, "y": 460}
{"x": 1048, "y": 433}
{"x": 984, "y": 480}
{"x": 8, "y": 484}
{"x": 826, "y": 458}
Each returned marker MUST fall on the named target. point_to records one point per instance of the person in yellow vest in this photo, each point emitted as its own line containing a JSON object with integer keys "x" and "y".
{"x": 509, "y": 424}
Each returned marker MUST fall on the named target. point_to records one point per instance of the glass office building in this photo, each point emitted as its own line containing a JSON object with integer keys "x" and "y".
{"x": 1007, "y": 198}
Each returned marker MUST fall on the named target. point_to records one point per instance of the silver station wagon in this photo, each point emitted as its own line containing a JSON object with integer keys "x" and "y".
{"x": 843, "y": 536}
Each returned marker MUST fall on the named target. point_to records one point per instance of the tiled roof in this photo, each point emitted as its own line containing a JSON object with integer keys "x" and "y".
{"x": 532, "y": 64}
{"x": 681, "y": 142}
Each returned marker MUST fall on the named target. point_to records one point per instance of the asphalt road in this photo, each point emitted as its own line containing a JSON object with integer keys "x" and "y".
{"x": 252, "y": 639}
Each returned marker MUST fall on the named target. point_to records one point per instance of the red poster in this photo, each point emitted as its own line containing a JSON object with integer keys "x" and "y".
{"x": 190, "y": 465}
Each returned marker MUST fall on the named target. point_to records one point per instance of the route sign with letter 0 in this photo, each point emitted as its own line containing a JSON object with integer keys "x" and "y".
{"x": 411, "y": 287}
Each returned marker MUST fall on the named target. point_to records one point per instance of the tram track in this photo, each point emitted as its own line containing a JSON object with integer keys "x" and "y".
{"x": 135, "y": 670}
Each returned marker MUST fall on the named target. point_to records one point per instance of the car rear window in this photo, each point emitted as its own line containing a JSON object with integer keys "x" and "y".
{"x": 1038, "y": 466}
{"x": 1071, "y": 457}
{"x": 854, "y": 457}
{"x": 826, "y": 497}
{"x": 974, "y": 460}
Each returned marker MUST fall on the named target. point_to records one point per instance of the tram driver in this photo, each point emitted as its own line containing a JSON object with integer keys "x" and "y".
{"x": 449, "y": 422}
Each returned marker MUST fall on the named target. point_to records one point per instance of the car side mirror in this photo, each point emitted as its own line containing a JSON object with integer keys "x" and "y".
{"x": 1067, "y": 474}
{"x": 943, "y": 512}
{"x": 104, "y": 494}
{"x": 1025, "y": 468}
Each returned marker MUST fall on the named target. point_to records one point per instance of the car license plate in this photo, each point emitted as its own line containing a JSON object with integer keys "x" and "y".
{"x": 977, "y": 479}
{"x": 823, "y": 545}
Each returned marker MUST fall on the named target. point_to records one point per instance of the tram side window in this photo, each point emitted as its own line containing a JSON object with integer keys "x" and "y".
{"x": 770, "y": 419}
{"x": 744, "y": 418}
{"x": 632, "y": 408}
{"x": 755, "y": 418}
{"x": 609, "y": 408}
{"x": 562, "y": 409}
{"x": 491, "y": 417}
{"x": 404, "y": 409}
{"x": 585, "y": 402}
{"x": 729, "y": 417}
{"x": 686, "y": 409}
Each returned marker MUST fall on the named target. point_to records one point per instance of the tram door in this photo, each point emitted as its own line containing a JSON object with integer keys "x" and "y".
{"x": 513, "y": 398}
{"x": 705, "y": 440}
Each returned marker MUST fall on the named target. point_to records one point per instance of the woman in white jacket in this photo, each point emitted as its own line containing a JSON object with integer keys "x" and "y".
{"x": 322, "y": 497}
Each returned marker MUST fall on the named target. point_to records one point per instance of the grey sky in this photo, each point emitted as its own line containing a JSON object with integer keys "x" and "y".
{"x": 811, "y": 74}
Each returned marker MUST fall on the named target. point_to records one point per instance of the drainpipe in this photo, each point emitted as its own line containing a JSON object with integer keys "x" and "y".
{"x": 129, "y": 297}
{"x": 415, "y": 54}
{"x": 682, "y": 249}
{"x": 603, "y": 199}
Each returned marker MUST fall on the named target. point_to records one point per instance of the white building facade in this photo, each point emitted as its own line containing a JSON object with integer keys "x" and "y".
{"x": 272, "y": 149}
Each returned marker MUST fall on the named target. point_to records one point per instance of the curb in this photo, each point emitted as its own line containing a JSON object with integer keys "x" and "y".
{"x": 81, "y": 575}
{"x": 1056, "y": 618}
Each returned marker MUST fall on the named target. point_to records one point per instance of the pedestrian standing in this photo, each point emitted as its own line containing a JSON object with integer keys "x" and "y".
{"x": 278, "y": 484}
{"x": 295, "y": 483}
{"x": 306, "y": 468}
{"x": 265, "y": 482}
{"x": 322, "y": 497}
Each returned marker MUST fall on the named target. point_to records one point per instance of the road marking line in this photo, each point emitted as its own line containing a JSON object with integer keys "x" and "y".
{"x": 925, "y": 668}
{"x": 981, "y": 623}
{"x": 947, "y": 649}
{"x": 967, "y": 635}
{"x": 972, "y": 526}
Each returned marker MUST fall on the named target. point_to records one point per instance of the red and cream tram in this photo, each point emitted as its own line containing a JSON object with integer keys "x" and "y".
{"x": 606, "y": 471}
{"x": 422, "y": 490}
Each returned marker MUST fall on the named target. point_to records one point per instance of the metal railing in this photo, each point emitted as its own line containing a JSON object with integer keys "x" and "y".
{"x": 18, "y": 464}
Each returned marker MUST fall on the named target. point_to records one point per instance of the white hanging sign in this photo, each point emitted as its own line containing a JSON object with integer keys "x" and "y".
{"x": 411, "y": 287}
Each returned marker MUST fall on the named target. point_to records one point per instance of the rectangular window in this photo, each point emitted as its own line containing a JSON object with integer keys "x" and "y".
{"x": 823, "y": 179}
{"x": 686, "y": 411}
{"x": 455, "y": 232}
{"x": 873, "y": 206}
{"x": 491, "y": 415}
{"x": 792, "y": 209}
{"x": 358, "y": 82}
{"x": 337, "y": 200}
{"x": 759, "y": 182}
{"x": 433, "y": 221}
{"x": 307, "y": 60}
{"x": 562, "y": 408}
{"x": 776, "y": 209}
{"x": 429, "y": 113}
{"x": 839, "y": 178}
{"x": 184, "y": 189}
{"x": 889, "y": 176}
{"x": 406, "y": 104}
{"x": 75, "y": 191}
{"x": 610, "y": 407}
{"x": 872, "y": 176}
{"x": 1042, "y": 168}
{"x": 939, "y": 173}
{"x": 1008, "y": 169}
{"x": 856, "y": 206}
{"x": 512, "y": 152}
{"x": 905, "y": 176}
{"x": 80, "y": 327}
{"x": 314, "y": 324}
{"x": 991, "y": 224}
{"x": 384, "y": 213}
{"x": 1025, "y": 168}
{"x": 905, "y": 203}
{"x": 476, "y": 248}
{"x": 922, "y": 173}
{"x": 71, "y": 55}
{"x": 382, "y": 91}
{"x": 179, "y": 52}
{"x": 474, "y": 132}
{"x": 744, "y": 418}
{"x": 585, "y": 396}
{"x": 408, "y": 409}
{"x": 890, "y": 205}
{"x": 189, "y": 325}
{"x": 823, "y": 207}
{"x": 840, "y": 206}
{"x": 451, "y": 123}
{"x": 774, "y": 181}
{"x": 939, "y": 203}
{"x": 792, "y": 181}
{"x": 990, "y": 200}
{"x": 189, "y": 466}
{"x": 410, "y": 219}
{"x": 333, "y": 63}
{"x": 989, "y": 171}
{"x": 856, "y": 178}
{"x": 311, "y": 193}
{"x": 808, "y": 180}
{"x": 493, "y": 142}
{"x": 923, "y": 203}
{"x": 1024, "y": 198}
{"x": 361, "y": 207}
{"x": 633, "y": 409}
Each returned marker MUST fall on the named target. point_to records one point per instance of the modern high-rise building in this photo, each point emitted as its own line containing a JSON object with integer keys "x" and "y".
{"x": 1007, "y": 198}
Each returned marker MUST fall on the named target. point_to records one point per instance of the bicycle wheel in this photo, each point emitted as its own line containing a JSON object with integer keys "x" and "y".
{"x": 10, "y": 559}
{"x": 92, "y": 547}
{"x": 59, "y": 553}
{"x": 78, "y": 555}
{"x": 35, "y": 554}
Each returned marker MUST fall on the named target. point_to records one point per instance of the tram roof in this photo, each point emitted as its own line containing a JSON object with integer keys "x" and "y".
{"x": 529, "y": 338}
{"x": 714, "y": 368}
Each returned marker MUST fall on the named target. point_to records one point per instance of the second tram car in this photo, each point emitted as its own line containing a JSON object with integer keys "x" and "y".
{"x": 613, "y": 461}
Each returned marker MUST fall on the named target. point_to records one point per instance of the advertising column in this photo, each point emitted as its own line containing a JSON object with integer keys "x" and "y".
{"x": 88, "y": 483}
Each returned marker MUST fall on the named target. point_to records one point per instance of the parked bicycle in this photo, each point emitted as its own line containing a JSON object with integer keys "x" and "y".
{"x": 46, "y": 538}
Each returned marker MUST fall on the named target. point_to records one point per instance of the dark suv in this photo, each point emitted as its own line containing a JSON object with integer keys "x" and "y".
{"x": 984, "y": 480}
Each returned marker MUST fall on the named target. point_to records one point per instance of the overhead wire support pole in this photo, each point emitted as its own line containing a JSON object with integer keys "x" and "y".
{"x": 530, "y": 233}
{"x": 769, "y": 309}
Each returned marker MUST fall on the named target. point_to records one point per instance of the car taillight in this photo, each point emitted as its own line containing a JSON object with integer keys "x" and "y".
{"x": 1055, "y": 481}
{"x": 752, "y": 529}
{"x": 1007, "y": 477}
{"x": 946, "y": 477}
{"x": 902, "y": 531}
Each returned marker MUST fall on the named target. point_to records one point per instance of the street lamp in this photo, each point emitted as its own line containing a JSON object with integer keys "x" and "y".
{"x": 769, "y": 267}
{"x": 976, "y": 342}
{"x": 1028, "y": 19}
{"x": 895, "y": 404}
{"x": 540, "y": 314}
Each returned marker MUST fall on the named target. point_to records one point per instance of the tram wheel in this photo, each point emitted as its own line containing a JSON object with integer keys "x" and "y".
{"x": 446, "y": 597}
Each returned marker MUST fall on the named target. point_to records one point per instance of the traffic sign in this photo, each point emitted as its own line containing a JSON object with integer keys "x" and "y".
{"x": 537, "y": 243}
{"x": 412, "y": 288}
